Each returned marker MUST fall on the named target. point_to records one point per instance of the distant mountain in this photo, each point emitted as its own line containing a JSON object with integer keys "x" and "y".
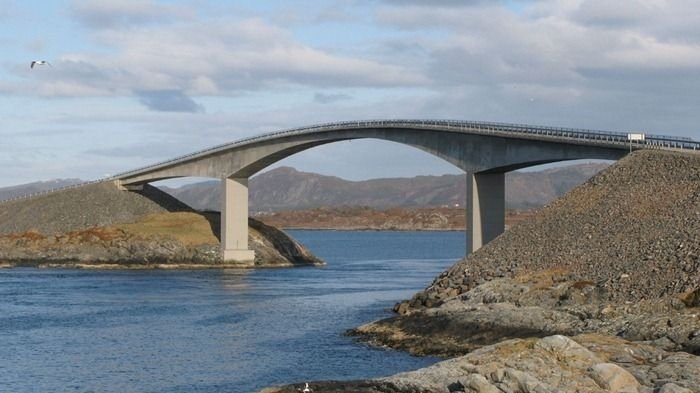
{"x": 288, "y": 189}
{"x": 32, "y": 188}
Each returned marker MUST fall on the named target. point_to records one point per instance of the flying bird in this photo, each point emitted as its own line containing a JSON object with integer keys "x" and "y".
{"x": 39, "y": 62}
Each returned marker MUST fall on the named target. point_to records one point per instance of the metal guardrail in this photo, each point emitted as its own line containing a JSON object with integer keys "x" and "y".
{"x": 52, "y": 190}
{"x": 563, "y": 134}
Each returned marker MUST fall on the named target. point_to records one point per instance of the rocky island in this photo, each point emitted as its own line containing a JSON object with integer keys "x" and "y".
{"x": 597, "y": 292}
{"x": 101, "y": 226}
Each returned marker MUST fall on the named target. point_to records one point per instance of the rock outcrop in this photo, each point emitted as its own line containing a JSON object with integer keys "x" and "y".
{"x": 585, "y": 363}
{"x": 536, "y": 306}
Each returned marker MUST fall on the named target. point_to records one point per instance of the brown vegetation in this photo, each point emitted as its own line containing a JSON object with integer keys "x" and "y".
{"x": 366, "y": 218}
{"x": 185, "y": 227}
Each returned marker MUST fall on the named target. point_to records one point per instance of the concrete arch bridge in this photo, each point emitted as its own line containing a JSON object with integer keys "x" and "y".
{"x": 485, "y": 151}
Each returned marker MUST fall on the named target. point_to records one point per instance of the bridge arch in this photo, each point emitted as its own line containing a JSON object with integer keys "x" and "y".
{"x": 471, "y": 152}
{"x": 485, "y": 151}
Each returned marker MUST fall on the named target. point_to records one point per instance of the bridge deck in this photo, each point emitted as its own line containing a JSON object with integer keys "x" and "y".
{"x": 521, "y": 131}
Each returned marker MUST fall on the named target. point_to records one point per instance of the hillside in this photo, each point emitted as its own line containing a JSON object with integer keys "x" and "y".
{"x": 94, "y": 205}
{"x": 288, "y": 189}
{"x": 31, "y": 188}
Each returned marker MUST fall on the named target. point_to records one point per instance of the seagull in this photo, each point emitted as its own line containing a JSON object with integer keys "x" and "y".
{"x": 39, "y": 62}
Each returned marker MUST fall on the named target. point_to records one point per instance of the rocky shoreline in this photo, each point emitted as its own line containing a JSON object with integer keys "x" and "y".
{"x": 526, "y": 307}
{"x": 597, "y": 292}
{"x": 583, "y": 363}
{"x": 117, "y": 248}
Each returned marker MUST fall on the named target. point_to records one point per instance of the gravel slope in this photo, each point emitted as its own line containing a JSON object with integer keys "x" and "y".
{"x": 633, "y": 229}
{"x": 98, "y": 204}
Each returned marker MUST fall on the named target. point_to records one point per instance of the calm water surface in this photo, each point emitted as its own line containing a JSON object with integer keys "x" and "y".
{"x": 219, "y": 330}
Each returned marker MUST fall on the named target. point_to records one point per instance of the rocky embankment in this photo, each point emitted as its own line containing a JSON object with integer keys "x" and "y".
{"x": 633, "y": 230}
{"x": 597, "y": 292}
{"x": 101, "y": 226}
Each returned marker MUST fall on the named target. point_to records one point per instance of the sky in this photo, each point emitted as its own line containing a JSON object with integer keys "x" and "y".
{"x": 136, "y": 82}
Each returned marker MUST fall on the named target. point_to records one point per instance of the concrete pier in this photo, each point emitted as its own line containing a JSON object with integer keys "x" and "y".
{"x": 234, "y": 220}
{"x": 485, "y": 208}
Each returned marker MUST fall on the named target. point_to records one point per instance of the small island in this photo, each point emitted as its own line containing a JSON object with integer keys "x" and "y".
{"x": 100, "y": 226}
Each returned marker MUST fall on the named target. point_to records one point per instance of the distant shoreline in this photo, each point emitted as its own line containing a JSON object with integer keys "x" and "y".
{"x": 428, "y": 219}
{"x": 136, "y": 266}
{"x": 376, "y": 229}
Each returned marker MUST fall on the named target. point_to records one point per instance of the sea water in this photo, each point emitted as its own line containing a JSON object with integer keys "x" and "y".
{"x": 64, "y": 330}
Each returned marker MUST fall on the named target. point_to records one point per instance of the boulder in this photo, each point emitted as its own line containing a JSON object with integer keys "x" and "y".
{"x": 614, "y": 378}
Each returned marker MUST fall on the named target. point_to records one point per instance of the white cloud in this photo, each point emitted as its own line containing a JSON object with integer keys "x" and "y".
{"x": 207, "y": 57}
{"x": 105, "y": 14}
{"x": 616, "y": 14}
{"x": 552, "y": 43}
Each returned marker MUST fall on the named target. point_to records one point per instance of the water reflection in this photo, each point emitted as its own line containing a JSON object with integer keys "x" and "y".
{"x": 234, "y": 280}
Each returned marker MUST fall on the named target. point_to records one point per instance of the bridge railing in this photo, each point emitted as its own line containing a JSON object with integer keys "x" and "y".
{"x": 52, "y": 190}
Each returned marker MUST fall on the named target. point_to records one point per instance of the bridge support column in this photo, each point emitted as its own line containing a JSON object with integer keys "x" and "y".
{"x": 485, "y": 208}
{"x": 234, "y": 220}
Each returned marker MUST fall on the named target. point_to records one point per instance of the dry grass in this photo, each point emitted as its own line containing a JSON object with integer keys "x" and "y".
{"x": 95, "y": 234}
{"x": 513, "y": 347}
{"x": 188, "y": 228}
{"x": 606, "y": 347}
{"x": 28, "y": 235}
{"x": 543, "y": 279}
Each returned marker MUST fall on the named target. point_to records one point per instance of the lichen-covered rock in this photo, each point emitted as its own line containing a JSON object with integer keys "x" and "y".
{"x": 584, "y": 364}
{"x": 672, "y": 388}
{"x": 503, "y": 308}
{"x": 614, "y": 378}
